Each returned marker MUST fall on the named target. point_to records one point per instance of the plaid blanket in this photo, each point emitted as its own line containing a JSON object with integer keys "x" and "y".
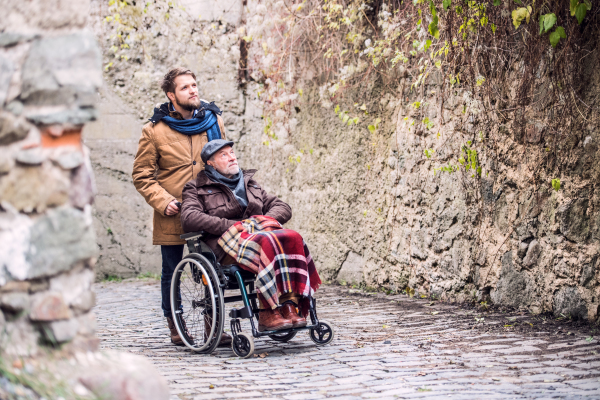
{"x": 279, "y": 257}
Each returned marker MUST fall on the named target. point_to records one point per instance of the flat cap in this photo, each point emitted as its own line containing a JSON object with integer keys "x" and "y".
{"x": 212, "y": 147}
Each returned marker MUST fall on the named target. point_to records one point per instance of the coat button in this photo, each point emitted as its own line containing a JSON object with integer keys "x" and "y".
{"x": 209, "y": 191}
{"x": 194, "y": 163}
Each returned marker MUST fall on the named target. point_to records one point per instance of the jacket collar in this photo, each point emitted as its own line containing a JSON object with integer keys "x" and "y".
{"x": 203, "y": 180}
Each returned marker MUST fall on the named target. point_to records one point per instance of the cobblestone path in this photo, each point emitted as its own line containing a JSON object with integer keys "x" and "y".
{"x": 385, "y": 347}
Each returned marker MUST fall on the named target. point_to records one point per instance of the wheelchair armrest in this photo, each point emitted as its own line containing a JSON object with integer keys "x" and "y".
{"x": 192, "y": 235}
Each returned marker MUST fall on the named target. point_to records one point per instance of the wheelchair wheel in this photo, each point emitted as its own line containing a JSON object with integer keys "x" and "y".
{"x": 197, "y": 303}
{"x": 243, "y": 345}
{"x": 285, "y": 337}
{"x": 323, "y": 334}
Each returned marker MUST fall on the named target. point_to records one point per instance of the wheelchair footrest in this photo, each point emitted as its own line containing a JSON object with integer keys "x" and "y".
{"x": 245, "y": 312}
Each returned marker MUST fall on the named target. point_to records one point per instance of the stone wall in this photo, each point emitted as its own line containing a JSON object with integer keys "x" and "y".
{"x": 50, "y": 71}
{"x": 369, "y": 204}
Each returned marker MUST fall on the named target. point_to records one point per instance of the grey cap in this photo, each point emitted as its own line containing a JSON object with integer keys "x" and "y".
{"x": 212, "y": 147}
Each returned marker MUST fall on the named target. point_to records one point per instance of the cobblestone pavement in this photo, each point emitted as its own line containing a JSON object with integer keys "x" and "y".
{"x": 385, "y": 347}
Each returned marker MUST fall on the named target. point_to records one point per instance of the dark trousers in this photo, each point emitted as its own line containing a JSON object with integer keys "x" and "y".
{"x": 171, "y": 256}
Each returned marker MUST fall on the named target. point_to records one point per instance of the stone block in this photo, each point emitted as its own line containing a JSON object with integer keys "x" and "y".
{"x": 87, "y": 324}
{"x": 7, "y": 69}
{"x": 61, "y": 331}
{"x": 587, "y": 274}
{"x": 19, "y": 338}
{"x": 14, "y": 302}
{"x": 7, "y": 161}
{"x": 12, "y": 128}
{"x": 34, "y": 15}
{"x": 49, "y": 306}
{"x": 352, "y": 269}
{"x": 533, "y": 254}
{"x": 574, "y": 221}
{"x": 522, "y": 249}
{"x": 124, "y": 376}
{"x": 35, "y": 188}
{"x": 514, "y": 288}
{"x": 72, "y": 285}
{"x": 568, "y": 302}
{"x": 31, "y": 157}
{"x": 59, "y": 239}
{"x": 84, "y": 302}
{"x": 58, "y": 71}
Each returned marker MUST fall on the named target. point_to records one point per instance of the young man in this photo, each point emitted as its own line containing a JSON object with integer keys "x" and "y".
{"x": 168, "y": 156}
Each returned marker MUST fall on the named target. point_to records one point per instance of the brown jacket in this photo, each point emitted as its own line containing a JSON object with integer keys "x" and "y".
{"x": 165, "y": 161}
{"x": 211, "y": 207}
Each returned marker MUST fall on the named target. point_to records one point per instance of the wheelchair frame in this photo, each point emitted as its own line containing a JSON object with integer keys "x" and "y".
{"x": 230, "y": 277}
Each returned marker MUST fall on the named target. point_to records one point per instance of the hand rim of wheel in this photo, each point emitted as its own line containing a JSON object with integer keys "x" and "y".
{"x": 212, "y": 296}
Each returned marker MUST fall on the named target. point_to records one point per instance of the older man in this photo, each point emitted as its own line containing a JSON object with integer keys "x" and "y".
{"x": 219, "y": 197}
{"x": 169, "y": 155}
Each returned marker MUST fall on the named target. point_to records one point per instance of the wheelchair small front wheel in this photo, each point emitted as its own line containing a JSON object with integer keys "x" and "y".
{"x": 285, "y": 337}
{"x": 243, "y": 345}
{"x": 322, "y": 334}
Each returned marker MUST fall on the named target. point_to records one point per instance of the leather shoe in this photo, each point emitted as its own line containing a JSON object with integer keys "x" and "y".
{"x": 225, "y": 338}
{"x": 175, "y": 338}
{"x": 288, "y": 311}
{"x": 272, "y": 320}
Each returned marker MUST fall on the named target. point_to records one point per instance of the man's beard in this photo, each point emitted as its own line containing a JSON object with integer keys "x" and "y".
{"x": 190, "y": 105}
{"x": 232, "y": 170}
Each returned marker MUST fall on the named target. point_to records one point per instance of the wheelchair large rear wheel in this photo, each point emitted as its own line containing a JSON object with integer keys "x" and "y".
{"x": 197, "y": 303}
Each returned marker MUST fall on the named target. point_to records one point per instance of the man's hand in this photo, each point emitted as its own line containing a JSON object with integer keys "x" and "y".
{"x": 172, "y": 208}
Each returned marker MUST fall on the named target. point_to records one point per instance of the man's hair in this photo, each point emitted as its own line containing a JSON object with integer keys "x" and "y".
{"x": 168, "y": 82}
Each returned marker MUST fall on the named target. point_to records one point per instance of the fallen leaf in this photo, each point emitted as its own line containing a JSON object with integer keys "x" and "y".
{"x": 549, "y": 380}
{"x": 496, "y": 379}
{"x": 263, "y": 355}
{"x": 211, "y": 386}
{"x": 435, "y": 313}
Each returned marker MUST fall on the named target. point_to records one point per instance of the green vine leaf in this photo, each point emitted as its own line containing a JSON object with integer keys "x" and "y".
{"x": 446, "y": 4}
{"x": 549, "y": 21}
{"x": 554, "y": 38}
{"x": 561, "y": 32}
{"x": 573, "y": 7}
{"x": 580, "y": 12}
{"x": 519, "y": 2}
{"x": 556, "y": 184}
{"x": 496, "y": 2}
{"x": 521, "y": 14}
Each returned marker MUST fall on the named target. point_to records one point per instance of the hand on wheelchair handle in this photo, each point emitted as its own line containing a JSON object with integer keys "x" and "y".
{"x": 173, "y": 208}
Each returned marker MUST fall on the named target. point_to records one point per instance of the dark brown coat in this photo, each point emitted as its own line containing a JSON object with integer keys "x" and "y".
{"x": 211, "y": 207}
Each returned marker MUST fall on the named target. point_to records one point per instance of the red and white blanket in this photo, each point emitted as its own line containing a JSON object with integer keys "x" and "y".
{"x": 279, "y": 257}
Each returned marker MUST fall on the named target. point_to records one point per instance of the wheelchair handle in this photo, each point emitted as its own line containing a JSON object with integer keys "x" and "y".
{"x": 178, "y": 204}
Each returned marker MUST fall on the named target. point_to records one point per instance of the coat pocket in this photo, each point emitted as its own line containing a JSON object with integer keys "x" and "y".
{"x": 170, "y": 225}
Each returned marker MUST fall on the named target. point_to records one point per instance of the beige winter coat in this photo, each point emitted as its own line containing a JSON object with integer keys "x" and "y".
{"x": 165, "y": 161}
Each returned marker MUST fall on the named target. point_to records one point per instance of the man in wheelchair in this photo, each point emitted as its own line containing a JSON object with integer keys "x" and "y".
{"x": 236, "y": 213}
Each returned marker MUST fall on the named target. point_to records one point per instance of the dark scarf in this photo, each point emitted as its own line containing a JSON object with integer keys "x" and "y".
{"x": 205, "y": 120}
{"x": 235, "y": 183}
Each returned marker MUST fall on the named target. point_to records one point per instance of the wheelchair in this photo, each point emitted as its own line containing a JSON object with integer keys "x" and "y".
{"x": 198, "y": 304}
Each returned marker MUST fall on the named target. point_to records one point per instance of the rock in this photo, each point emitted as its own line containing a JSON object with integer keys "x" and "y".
{"x": 61, "y": 331}
{"x": 562, "y": 269}
{"x": 33, "y": 156}
{"x": 533, "y": 254}
{"x": 69, "y": 159}
{"x": 83, "y": 185}
{"x": 351, "y": 271}
{"x": 8, "y": 39}
{"x": 7, "y": 161}
{"x": 513, "y": 288}
{"x": 59, "y": 239}
{"x": 60, "y": 71}
{"x": 84, "y": 302}
{"x": 72, "y": 286}
{"x": 87, "y": 324}
{"x": 587, "y": 274}
{"x": 12, "y": 129}
{"x": 49, "y": 306}
{"x": 7, "y": 69}
{"x": 29, "y": 189}
{"x": 522, "y": 249}
{"x": 19, "y": 338}
{"x": 568, "y": 303}
{"x": 574, "y": 222}
{"x": 14, "y": 243}
{"x": 2, "y": 321}
{"x": 14, "y": 302}
{"x": 124, "y": 376}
